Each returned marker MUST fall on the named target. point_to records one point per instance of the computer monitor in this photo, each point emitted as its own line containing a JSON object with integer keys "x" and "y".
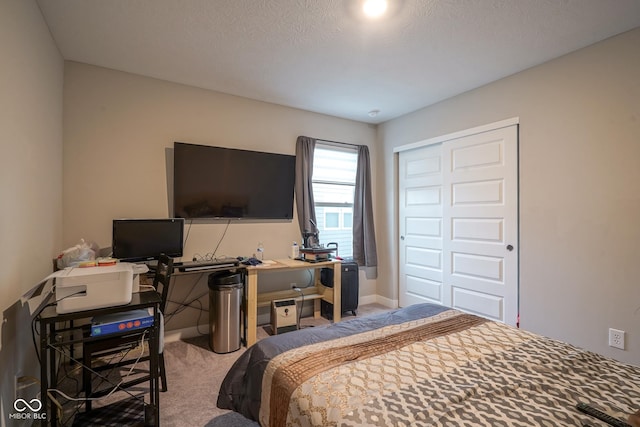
{"x": 137, "y": 240}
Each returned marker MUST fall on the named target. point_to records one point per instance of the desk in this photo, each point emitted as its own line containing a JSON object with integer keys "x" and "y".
{"x": 52, "y": 340}
{"x": 252, "y": 298}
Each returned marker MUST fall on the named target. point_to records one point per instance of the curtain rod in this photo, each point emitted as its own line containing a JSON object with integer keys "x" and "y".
{"x": 338, "y": 142}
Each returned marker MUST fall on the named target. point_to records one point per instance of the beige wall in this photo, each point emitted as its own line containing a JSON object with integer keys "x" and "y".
{"x": 579, "y": 188}
{"x": 119, "y": 130}
{"x": 31, "y": 124}
{"x": 30, "y": 176}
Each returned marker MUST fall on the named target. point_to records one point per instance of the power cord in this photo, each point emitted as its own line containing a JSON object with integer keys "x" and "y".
{"x": 115, "y": 386}
{"x": 186, "y": 238}
{"x": 299, "y": 290}
{"x": 211, "y": 256}
{"x": 34, "y": 318}
{"x": 221, "y": 238}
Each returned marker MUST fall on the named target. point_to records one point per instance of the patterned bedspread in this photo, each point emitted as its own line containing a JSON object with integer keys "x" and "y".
{"x": 424, "y": 365}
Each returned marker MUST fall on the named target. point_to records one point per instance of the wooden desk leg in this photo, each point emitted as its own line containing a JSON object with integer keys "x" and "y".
{"x": 317, "y": 314}
{"x": 252, "y": 306}
{"x": 337, "y": 292}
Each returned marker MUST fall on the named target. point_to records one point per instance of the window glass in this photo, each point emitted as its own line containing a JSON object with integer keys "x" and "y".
{"x": 348, "y": 219}
{"x": 332, "y": 220}
{"x": 334, "y": 179}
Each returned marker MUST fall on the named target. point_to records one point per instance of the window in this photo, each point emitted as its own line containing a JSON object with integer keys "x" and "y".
{"x": 334, "y": 181}
{"x": 337, "y": 218}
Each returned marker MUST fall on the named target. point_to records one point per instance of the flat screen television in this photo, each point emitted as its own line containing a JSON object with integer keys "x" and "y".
{"x": 137, "y": 240}
{"x": 217, "y": 182}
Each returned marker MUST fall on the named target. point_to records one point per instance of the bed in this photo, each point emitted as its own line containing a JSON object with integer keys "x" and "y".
{"x": 424, "y": 365}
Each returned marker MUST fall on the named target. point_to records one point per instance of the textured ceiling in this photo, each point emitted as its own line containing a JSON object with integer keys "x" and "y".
{"x": 323, "y": 55}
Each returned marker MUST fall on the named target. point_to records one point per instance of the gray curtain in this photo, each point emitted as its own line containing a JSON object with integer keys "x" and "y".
{"x": 304, "y": 189}
{"x": 364, "y": 238}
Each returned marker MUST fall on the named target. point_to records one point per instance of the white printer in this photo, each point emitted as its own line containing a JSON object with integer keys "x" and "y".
{"x": 86, "y": 288}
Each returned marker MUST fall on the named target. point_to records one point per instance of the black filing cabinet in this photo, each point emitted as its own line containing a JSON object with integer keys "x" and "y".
{"x": 350, "y": 288}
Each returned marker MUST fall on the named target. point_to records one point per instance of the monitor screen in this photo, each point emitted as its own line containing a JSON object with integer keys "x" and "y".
{"x": 145, "y": 239}
{"x": 217, "y": 182}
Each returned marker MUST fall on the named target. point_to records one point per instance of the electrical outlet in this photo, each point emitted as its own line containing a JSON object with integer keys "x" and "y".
{"x": 616, "y": 338}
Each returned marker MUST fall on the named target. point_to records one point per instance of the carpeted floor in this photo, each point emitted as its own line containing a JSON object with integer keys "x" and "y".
{"x": 194, "y": 374}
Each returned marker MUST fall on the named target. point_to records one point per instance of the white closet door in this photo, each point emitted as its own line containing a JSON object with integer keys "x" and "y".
{"x": 421, "y": 227}
{"x": 481, "y": 228}
{"x": 478, "y": 252}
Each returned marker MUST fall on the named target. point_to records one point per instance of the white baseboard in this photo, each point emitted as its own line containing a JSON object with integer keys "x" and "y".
{"x": 387, "y": 302}
{"x": 368, "y": 299}
{"x": 179, "y": 334}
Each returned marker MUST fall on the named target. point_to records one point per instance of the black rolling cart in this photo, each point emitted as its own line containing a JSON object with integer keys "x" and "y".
{"x": 54, "y": 339}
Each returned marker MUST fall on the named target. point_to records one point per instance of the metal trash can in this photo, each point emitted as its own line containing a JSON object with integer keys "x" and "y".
{"x": 225, "y": 298}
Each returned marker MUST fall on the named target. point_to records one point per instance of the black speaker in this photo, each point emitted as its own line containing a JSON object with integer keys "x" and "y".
{"x": 349, "y": 288}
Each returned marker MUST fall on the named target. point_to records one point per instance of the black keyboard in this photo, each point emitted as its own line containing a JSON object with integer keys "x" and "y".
{"x": 208, "y": 264}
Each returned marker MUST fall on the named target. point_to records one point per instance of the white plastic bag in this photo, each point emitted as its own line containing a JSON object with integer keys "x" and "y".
{"x": 82, "y": 252}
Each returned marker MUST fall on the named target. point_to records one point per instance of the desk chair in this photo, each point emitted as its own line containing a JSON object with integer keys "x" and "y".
{"x": 114, "y": 344}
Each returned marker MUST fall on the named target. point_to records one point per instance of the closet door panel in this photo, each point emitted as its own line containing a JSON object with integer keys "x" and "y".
{"x": 420, "y": 226}
{"x": 480, "y": 225}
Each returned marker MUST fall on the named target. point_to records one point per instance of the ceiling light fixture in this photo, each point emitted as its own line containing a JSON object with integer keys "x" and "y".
{"x": 374, "y": 8}
{"x": 373, "y": 113}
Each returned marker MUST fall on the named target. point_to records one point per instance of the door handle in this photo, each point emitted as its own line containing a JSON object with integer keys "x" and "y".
{"x": 509, "y": 248}
{"x": 401, "y": 237}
